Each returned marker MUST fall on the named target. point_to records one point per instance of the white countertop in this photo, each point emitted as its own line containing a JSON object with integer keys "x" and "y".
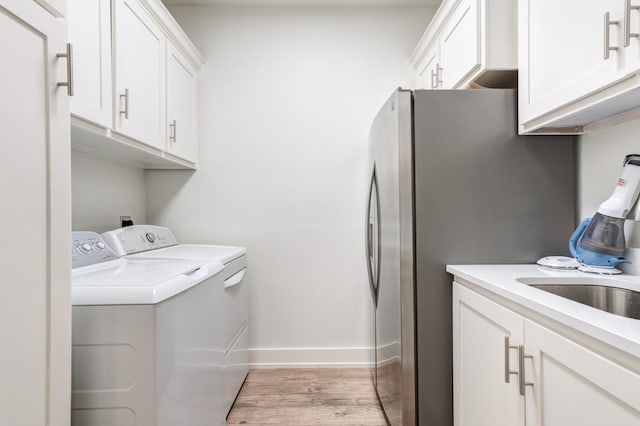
{"x": 619, "y": 332}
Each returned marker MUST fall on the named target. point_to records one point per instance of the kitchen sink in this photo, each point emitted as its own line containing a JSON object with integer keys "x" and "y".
{"x": 597, "y": 293}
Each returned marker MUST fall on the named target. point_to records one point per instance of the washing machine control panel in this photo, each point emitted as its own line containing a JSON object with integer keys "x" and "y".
{"x": 138, "y": 239}
{"x": 87, "y": 248}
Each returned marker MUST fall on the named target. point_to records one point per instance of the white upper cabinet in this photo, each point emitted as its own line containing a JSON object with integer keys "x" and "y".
{"x": 55, "y": 7}
{"x": 35, "y": 266}
{"x": 476, "y": 42}
{"x": 90, "y": 35}
{"x": 139, "y": 66}
{"x": 135, "y": 74}
{"x": 460, "y": 44}
{"x": 182, "y": 107}
{"x": 579, "y": 64}
{"x": 430, "y": 73}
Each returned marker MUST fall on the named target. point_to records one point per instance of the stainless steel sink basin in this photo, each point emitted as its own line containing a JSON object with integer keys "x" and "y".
{"x": 592, "y": 292}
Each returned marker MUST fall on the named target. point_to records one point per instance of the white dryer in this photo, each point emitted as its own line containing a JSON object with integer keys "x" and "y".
{"x": 142, "y": 349}
{"x": 154, "y": 242}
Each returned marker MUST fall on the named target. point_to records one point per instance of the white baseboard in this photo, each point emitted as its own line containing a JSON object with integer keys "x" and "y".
{"x": 311, "y": 357}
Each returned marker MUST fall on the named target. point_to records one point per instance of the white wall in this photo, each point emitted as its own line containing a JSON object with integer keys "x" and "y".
{"x": 600, "y": 156}
{"x": 102, "y": 191}
{"x": 287, "y": 98}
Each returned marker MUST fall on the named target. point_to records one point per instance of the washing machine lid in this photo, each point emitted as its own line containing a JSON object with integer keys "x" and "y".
{"x": 131, "y": 282}
{"x": 201, "y": 252}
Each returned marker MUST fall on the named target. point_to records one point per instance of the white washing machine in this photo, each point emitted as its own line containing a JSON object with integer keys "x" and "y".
{"x": 154, "y": 242}
{"x": 144, "y": 353}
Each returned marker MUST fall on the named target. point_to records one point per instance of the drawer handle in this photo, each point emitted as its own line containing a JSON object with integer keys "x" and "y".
{"x": 521, "y": 358}
{"x": 627, "y": 23}
{"x": 507, "y": 370}
{"x": 69, "y": 55}
{"x": 607, "y": 35}
{"x": 235, "y": 279}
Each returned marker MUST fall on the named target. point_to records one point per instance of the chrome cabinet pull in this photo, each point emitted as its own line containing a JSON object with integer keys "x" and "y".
{"x": 627, "y": 23}
{"x": 607, "y": 35}
{"x": 507, "y": 370}
{"x": 438, "y": 76}
{"x": 172, "y": 132}
{"x": 433, "y": 79}
{"x": 126, "y": 104}
{"x": 521, "y": 357}
{"x": 69, "y": 55}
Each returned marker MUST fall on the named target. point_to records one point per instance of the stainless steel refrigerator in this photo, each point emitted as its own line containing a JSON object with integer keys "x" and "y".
{"x": 451, "y": 183}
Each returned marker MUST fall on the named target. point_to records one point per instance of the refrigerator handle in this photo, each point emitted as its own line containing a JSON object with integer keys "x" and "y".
{"x": 372, "y": 225}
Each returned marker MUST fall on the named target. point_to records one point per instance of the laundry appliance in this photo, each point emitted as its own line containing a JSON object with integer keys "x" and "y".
{"x": 154, "y": 242}
{"x": 451, "y": 182}
{"x": 143, "y": 349}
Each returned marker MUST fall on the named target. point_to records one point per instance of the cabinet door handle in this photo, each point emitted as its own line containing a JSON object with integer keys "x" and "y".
{"x": 607, "y": 35}
{"x": 507, "y": 370}
{"x": 172, "y": 132}
{"x": 521, "y": 357}
{"x": 433, "y": 79}
{"x": 627, "y": 23}
{"x": 438, "y": 76}
{"x": 69, "y": 55}
{"x": 126, "y": 104}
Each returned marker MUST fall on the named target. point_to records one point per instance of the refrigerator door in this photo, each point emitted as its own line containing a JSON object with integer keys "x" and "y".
{"x": 391, "y": 130}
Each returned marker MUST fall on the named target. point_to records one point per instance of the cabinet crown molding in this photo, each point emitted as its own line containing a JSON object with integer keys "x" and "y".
{"x": 432, "y": 33}
{"x": 174, "y": 32}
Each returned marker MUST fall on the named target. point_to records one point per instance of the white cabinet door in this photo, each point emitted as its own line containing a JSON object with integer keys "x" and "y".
{"x": 35, "y": 307}
{"x": 460, "y": 44}
{"x": 562, "y": 52}
{"x": 182, "y": 106}
{"x": 574, "y": 386}
{"x": 55, "y": 7}
{"x": 486, "y": 337}
{"x": 431, "y": 75}
{"x": 139, "y": 55}
{"x": 90, "y": 34}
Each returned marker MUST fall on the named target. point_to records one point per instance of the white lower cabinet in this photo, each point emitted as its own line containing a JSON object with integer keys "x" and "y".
{"x": 575, "y": 386}
{"x": 536, "y": 377}
{"x": 486, "y": 338}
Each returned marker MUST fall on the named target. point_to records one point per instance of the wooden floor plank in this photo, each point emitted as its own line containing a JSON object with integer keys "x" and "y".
{"x": 307, "y": 397}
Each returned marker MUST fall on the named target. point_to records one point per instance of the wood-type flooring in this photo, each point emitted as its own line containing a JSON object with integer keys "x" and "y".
{"x": 307, "y": 397}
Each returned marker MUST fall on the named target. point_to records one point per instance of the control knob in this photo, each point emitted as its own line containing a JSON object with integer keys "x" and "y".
{"x": 99, "y": 246}
{"x": 84, "y": 248}
{"x": 150, "y": 237}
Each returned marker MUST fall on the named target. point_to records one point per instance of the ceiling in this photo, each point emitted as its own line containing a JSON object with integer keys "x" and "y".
{"x": 302, "y": 2}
